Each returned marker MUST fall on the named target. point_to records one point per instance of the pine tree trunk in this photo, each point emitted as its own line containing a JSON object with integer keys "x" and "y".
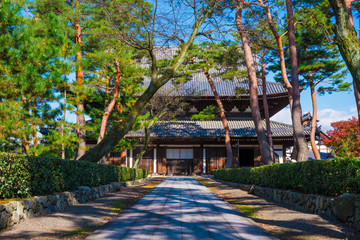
{"x": 280, "y": 51}
{"x": 266, "y": 107}
{"x": 63, "y": 125}
{"x": 35, "y": 139}
{"x": 109, "y": 108}
{"x": 357, "y": 101}
{"x": 356, "y": 92}
{"x": 34, "y": 131}
{"x": 146, "y": 146}
{"x": 254, "y": 104}
{"x": 346, "y": 39}
{"x": 314, "y": 118}
{"x": 303, "y": 151}
{"x": 229, "y": 153}
{"x": 80, "y": 82}
{"x": 25, "y": 146}
{"x": 282, "y": 65}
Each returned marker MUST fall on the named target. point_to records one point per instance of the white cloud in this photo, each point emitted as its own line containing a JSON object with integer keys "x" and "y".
{"x": 283, "y": 116}
{"x": 327, "y": 116}
{"x": 353, "y": 109}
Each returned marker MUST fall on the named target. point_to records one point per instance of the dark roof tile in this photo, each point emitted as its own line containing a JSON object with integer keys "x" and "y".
{"x": 238, "y": 128}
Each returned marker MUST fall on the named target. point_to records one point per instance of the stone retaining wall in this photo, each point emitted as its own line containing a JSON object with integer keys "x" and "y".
{"x": 16, "y": 211}
{"x": 345, "y": 207}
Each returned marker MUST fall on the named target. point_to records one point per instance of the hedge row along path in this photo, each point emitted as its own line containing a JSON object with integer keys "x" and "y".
{"x": 181, "y": 208}
{"x": 282, "y": 222}
{"x": 80, "y": 220}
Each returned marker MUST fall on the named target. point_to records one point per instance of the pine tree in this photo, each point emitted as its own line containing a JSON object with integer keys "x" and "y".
{"x": 253, "y": 87}
{"x": 318, "y": 57}
{"x": 30, "y": 71}
{"x": 346, "y": 39}
{"x": 75, "y": 15}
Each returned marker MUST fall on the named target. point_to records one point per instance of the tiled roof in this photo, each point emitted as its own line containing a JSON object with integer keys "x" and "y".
{"x": 165, "y": 52}
{"x": 199, "y": 86}
{"x": 238, "y": 128}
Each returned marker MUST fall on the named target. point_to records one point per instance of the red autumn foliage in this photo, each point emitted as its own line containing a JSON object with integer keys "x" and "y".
{"x": 344, "y": 138}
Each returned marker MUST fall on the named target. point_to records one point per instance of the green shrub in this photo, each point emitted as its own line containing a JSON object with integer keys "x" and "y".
{"x": 330, "y": 177}
{"x": 29, "y": 176}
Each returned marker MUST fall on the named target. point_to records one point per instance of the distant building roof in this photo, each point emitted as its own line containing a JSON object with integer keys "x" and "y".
{"x": 238, "y": 128}
{"x": 199, "y": 86}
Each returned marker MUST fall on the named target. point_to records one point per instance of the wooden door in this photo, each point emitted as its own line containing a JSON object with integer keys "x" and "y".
{"x": 215, "y": 158}
{"x": 179, "y": 166}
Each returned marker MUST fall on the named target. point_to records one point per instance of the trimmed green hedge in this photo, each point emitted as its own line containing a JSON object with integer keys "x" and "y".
{"x": 331, "y": 177}
{"x": 29, "y": 176}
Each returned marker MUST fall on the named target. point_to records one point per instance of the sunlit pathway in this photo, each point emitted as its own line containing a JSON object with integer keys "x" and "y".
{"x": 180, "y": 208}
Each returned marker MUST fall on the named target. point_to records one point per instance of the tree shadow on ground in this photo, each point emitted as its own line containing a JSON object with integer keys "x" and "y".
{"x": 80, "y": 219}
{"x": 286, "y": 223}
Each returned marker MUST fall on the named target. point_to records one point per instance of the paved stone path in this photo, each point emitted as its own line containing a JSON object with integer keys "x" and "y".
{"x": 181, "y": 208}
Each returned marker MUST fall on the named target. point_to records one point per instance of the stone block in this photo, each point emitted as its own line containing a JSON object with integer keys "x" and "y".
{"x": 28, "y": 203}
{"x": 52, "y": 199}
{"x": 15, "y": 217}
{"x": 321, "y": 203}
{"x": 20, "y": 209}
{"x": 29, "y": 213}
{"x": 83, "y": 199}
{"x": 36, "y": 206}
{"x": 357, "y": 213}
{"x": 43, "y": 200}
{"x": 42, "y": 210}
{"x": 344, "y": 206}
{"x": 3, "y": 219}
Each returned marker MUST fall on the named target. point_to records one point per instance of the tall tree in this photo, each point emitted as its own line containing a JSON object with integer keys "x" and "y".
{"x": 346, "y": 39}
{"x": 75, "y": 15}
{"x": 263, "y": 45}
{"x": 209, "y": 58}
{"x": 253, "y": 86}
{"x": 30, "y": 70}
{"x": 318, "y": 59}
{"x": 301, "y": 143}
{"x": 201, "y": 11}
{"x": 79, "y": 72}
{"x": 265, "y": 104}
{"x": 356, "y": 92}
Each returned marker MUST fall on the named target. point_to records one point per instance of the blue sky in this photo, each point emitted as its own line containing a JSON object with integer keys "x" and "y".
{"x": 331, "y": 107}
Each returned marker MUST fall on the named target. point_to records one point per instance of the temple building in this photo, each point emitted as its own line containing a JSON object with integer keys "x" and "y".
{"x": 182, "y": 146}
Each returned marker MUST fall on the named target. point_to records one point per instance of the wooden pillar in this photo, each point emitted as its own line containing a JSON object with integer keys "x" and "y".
{"x": 238, "y": 152}
{"x": 155, "y": 160}
{"x": 131, "y": 158}
{"x": 204, "y": 160}
{"x": 284, "y": 154}
{"x": 126, "y": 159}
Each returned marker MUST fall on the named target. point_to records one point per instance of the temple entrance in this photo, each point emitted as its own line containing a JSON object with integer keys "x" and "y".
{"x": 246, "y": 157}
{"x": 179, "y": 161}
{"x": 215, "y": 158}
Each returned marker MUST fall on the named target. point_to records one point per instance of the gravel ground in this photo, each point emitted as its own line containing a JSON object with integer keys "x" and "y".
{"x": 80, "y": 220}
{"x": 279, "y": 220}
